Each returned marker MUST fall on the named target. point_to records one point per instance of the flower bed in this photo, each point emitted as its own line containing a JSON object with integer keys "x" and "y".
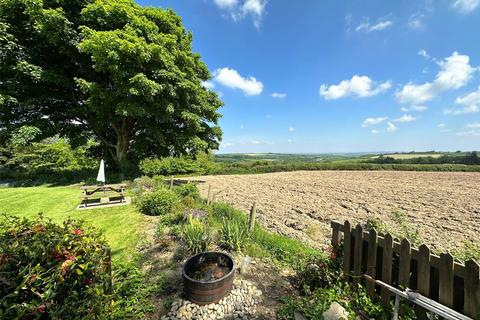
{"x": 50, "y": 271}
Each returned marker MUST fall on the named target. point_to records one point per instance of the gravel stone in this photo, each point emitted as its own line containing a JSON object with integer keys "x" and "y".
{"x": 239, "y": 304}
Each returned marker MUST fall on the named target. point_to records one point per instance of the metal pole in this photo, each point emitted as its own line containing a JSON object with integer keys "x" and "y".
{"x": 397, "y": 307}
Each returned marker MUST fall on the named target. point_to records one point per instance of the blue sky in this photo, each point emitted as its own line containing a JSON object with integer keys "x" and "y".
{"x": 341, "y": 76}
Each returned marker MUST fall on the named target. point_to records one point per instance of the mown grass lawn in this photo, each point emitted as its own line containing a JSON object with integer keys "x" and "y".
{"x": 121, "y": 225}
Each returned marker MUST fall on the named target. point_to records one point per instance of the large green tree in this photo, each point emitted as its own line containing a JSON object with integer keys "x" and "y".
{"x": 111, "y": 69}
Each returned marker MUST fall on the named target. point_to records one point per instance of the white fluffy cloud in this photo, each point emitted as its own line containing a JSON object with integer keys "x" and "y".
{"x": 466, "y": 6}
{"x": 239, "y": 9}
{"x": 208, "y": 84}
{"x": 226, "y": 144}
{"x": 470, "y": 103}
{"x": 375, "y": 131}
{"x": 291, "y": 129}
{"x": 373, "y": 121}
{"x": 414, "y": 108}
{"x": 360, "y": 86}
{"x": 381, "y": 24}
{"x": 232, "y": 79}
{"x": 415, "y": 21}
{"x": 469, "y": 133}
{"x": 406, "y": 118}
{"x": 223, "y": 4}
{"x": 424, "y": 54}
{"x": 475, "y": 125}
{"x": 279, "y": 95}
{"x": 391, "y": 127}
{"x": 455, "y": 72}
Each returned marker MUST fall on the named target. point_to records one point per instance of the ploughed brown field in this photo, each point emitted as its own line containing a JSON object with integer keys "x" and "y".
{"x": 445, "y": 206}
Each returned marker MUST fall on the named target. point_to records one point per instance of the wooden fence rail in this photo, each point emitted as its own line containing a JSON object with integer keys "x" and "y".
{"x": 401, "y": 265}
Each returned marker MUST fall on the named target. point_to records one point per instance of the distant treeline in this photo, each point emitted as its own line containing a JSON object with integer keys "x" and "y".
{"x": 470, "y": 158}
{"x": 258, "y": 167}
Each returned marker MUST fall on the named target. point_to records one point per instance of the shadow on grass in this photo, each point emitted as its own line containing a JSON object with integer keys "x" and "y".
{"x": 9, "y": 178}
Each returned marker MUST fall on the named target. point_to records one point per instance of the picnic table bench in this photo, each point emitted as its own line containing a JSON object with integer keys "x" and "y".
{"x": 103, "y": 191}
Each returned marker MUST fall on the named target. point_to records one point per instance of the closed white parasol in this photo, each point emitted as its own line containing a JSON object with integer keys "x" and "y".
{"x": 101, "y": 172}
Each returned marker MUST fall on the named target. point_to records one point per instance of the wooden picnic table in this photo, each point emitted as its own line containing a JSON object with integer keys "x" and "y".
{"x": 103, "y": 191}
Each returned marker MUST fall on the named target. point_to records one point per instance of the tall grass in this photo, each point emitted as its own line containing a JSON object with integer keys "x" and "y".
{"x": 263, "y": 243}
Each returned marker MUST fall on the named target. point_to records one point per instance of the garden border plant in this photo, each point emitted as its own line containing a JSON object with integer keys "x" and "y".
{"x": 51, "y": 270}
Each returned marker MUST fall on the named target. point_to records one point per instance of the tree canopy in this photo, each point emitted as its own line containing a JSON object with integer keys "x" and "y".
{"x": 108, "y": 69}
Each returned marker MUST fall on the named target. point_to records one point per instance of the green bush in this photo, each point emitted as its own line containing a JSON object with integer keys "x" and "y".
{"x": 169, "y": 166}
{"x": 50, "y": 271}
{"x": 196, "y": 235}
{"x": 158, "y": 202}
{"x": 187, "y": 190}
{"x": 233, "y": 235}
{"x": 50, "y": 155}
{"x": 313, "y": 305}
{"x": 318, "y": 272}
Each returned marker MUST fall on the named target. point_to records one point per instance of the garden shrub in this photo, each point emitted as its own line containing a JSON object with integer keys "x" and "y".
{"x": 196, "y": 235}
{"x": 50, "y": 271}
{"x": 158, "y": 202}
{"x": 187, "y": 190}
{"x": 353, "y": 299}
{"x": 318, "y": 272}
{"x": 168, "y": 166}
{"x": 233, "y": 235}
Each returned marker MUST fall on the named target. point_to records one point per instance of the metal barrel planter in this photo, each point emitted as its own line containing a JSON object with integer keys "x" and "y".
{"x": 203, "y": 292}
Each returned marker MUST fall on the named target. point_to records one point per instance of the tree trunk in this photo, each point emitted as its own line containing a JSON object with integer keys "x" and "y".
{"x": 119, "y": 147}
{"x": 121, "y": 151}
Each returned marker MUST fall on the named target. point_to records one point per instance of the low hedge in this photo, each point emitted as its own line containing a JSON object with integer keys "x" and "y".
{"x": 48, "y": 271}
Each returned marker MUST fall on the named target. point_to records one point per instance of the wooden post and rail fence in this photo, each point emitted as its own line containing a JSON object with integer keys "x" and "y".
{"x": 369, "y": 256}
{"x": 399, "y": 264}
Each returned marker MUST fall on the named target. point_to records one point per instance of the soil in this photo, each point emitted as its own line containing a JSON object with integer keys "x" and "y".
{"x": 444, "y": 206}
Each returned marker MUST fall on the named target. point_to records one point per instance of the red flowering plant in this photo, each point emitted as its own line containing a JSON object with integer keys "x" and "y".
{"x": 50, "y": 271}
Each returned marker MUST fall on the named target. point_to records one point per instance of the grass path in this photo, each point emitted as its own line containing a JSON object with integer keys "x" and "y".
{"x": 121, "y": 225}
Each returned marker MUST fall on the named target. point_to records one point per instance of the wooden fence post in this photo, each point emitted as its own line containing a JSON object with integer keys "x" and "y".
{"x": 472, "y": 289}
{"x": 358, "y": 255}
{"x": 253, "y": 213}
{"x": 171, "y": 182}
{"x": 335, "y": 235}
{"x": 404, "y": 269}
{"x": 372, "y": 261}
{"x": 209, "y": 195}
{"x": 445, "y": 273}
{"x": 423, "y": 278}
{"x": 347, "y": 236}
{"x": 387, "y": 269}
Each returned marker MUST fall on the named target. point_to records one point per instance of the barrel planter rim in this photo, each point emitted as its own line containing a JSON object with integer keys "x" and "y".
{"x": 184, "y": 271}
